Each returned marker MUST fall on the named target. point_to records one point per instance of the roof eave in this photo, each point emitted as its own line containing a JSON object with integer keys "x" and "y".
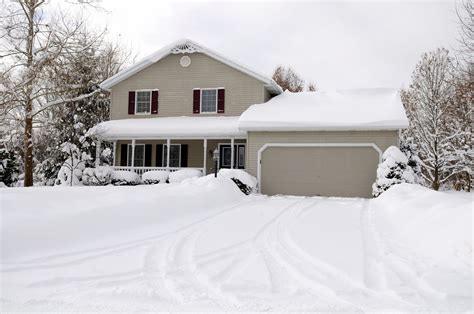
{"x": 165, "y": 51}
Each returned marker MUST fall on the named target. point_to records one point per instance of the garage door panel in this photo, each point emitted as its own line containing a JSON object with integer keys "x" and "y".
{"x": 325, "y": 171}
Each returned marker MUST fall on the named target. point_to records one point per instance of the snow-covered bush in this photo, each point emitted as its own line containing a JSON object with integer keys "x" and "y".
{"x": 246, "y": 183}
{"x": 155, "y": 177}
{"x": 9, "y": 168}
{"x": 71, "y": 170}
{"x": 392, "y": 170}
{"x": 183, "y": 174}
{"x": 124, "y": 177}
{"x": 101, "y": 175}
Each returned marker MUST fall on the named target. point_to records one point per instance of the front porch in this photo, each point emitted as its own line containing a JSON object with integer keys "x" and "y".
{"x": 173, "y": 143}
{"x": 173, "y": 154}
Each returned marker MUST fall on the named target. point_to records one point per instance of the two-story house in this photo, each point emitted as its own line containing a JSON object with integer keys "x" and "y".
{"x": 173, "y": 109}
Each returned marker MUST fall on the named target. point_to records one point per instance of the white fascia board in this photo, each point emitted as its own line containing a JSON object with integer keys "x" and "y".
{"x": 162, "y": 53}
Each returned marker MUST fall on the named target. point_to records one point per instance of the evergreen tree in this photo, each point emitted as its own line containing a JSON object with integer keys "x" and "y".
{"x": 392, "y": 170}
{"x": 9, "y": 167}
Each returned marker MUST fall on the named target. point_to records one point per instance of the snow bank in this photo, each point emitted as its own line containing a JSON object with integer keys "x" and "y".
{"x": 65, "y": 219}
{"x": 155, "y": 176}
{"x": 363, "y": 109}
{"x": 421, "y": 222}
{"x": 124, "y": 177}
{"x": 183, "y": 174}
{"x": 241, "y": 175}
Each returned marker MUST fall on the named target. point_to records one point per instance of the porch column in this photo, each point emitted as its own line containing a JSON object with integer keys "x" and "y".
{"x": 168, "y": 145}
{"x": 114, "y": 152}
{"x": 205, "y": 156}
{"x": 97, "y": 153}
{"x": 133, "y": 154}
{"x": 231, "y": 153}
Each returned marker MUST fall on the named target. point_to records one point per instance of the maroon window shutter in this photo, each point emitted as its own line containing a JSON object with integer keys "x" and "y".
{"x": 220, "y": 100}
{"x": 154, "y": 102}
{"x": 131, "y": 102}
{"x": 197, "y": 101}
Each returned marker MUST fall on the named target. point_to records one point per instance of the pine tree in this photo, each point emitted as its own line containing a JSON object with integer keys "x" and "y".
{"x": 392, "y": 170}
{"x": 9, "y": 167}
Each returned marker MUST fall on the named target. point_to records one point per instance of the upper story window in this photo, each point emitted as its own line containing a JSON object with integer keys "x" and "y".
{"x": 143, "y": 102}
{"x": 209, "y": 100}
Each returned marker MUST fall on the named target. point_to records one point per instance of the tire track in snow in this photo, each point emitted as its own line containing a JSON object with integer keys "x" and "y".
{"x": 383, "y": 254}
{"x": 179, "y": 269}
{"x": 298, "y": 272}
{"x": 81, "y": 256}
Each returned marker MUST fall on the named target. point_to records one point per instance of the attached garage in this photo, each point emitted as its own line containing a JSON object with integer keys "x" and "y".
{"x": 321, "y": 143}
{"x": 318, "y": 169}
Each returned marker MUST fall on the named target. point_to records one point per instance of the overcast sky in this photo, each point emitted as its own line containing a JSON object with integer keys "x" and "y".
{"x": 335, "y": 44}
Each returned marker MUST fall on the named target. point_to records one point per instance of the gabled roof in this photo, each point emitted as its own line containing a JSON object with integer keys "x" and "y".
{"x": 186, "y": 46}
{"x": 359, "y": 109}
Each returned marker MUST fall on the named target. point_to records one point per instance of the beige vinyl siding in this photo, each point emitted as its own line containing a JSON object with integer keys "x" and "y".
{"x": 256, "y": 140}
{"x": 195, "y": 151}
{"x": 176, "y": 85}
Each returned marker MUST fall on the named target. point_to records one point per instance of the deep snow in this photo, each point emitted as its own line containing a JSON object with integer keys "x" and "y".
{"x": 203, "y": 245}
{"x": 356, "y": 109}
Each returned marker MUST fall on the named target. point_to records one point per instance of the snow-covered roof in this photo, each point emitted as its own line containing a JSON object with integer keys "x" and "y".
{"x": 360, "y": 109}
{"x": 174, "y": 127}
{"x": 186, "y": 46}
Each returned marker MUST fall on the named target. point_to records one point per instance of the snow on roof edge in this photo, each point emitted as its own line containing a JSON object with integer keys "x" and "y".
{"x": 166, "y": 50}
{"x": 368, "y": 109}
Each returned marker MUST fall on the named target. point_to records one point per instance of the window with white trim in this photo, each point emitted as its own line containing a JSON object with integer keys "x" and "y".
{"x": 143, "y": 102}
{"x": 139, "y": 155}
{"x": 175, "y": 155}
{"x": 209, "y": 100}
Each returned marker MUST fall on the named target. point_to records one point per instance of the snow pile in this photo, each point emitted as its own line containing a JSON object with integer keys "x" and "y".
{"x": 246, "y": 182}
{"x": 364, "y": 109}
{"x": 241, "y": 175}
{"x": 183, "y": 174}
{"x": 155, "y": 176}
{"x": 432, "y": 229}
{"x": 392, "y": 170}
{"x": 192, "y": 127}
{"x": 124, "y": 177}
{"x": 101, "y": 175}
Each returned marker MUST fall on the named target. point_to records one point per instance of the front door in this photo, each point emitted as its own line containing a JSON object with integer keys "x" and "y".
{"x": 225, "y": 156}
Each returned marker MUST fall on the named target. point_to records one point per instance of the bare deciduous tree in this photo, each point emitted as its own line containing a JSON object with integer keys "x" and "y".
{"x": 311, "y": 87}
{"x": 434, "y": 120}
{"x": 32, "y": 45}
{"x": 288, "y": 79}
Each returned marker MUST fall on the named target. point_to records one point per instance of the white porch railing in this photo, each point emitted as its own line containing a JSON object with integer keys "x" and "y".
{"x": 141, "y": 170}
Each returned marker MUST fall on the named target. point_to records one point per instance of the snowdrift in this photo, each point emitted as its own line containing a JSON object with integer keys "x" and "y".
{"x": 74, "y": 217}
{"x": 426, "y": 224}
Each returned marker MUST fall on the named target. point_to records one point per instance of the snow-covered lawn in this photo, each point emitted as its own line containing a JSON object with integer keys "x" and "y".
{"x": 203, "y": 245}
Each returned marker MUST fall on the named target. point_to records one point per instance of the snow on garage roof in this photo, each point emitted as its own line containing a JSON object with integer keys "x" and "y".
{"x": 169, "y": 127}
{"x": 186, "y": 46}
{"x": 361, "y": 109}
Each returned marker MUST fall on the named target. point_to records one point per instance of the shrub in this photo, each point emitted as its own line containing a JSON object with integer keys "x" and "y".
{"x": 9, "y": 168}
{"x": 183, "y": 174}
{"x": 392, "y": 170}
{"x": 123, "y": 177}
{"x": 155, "y": 177}
{"x": 99, "y": 176}
{"x": 246, "y": 183}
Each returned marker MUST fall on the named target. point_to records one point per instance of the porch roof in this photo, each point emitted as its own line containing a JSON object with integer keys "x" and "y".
{"x": 169, "y": 127}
